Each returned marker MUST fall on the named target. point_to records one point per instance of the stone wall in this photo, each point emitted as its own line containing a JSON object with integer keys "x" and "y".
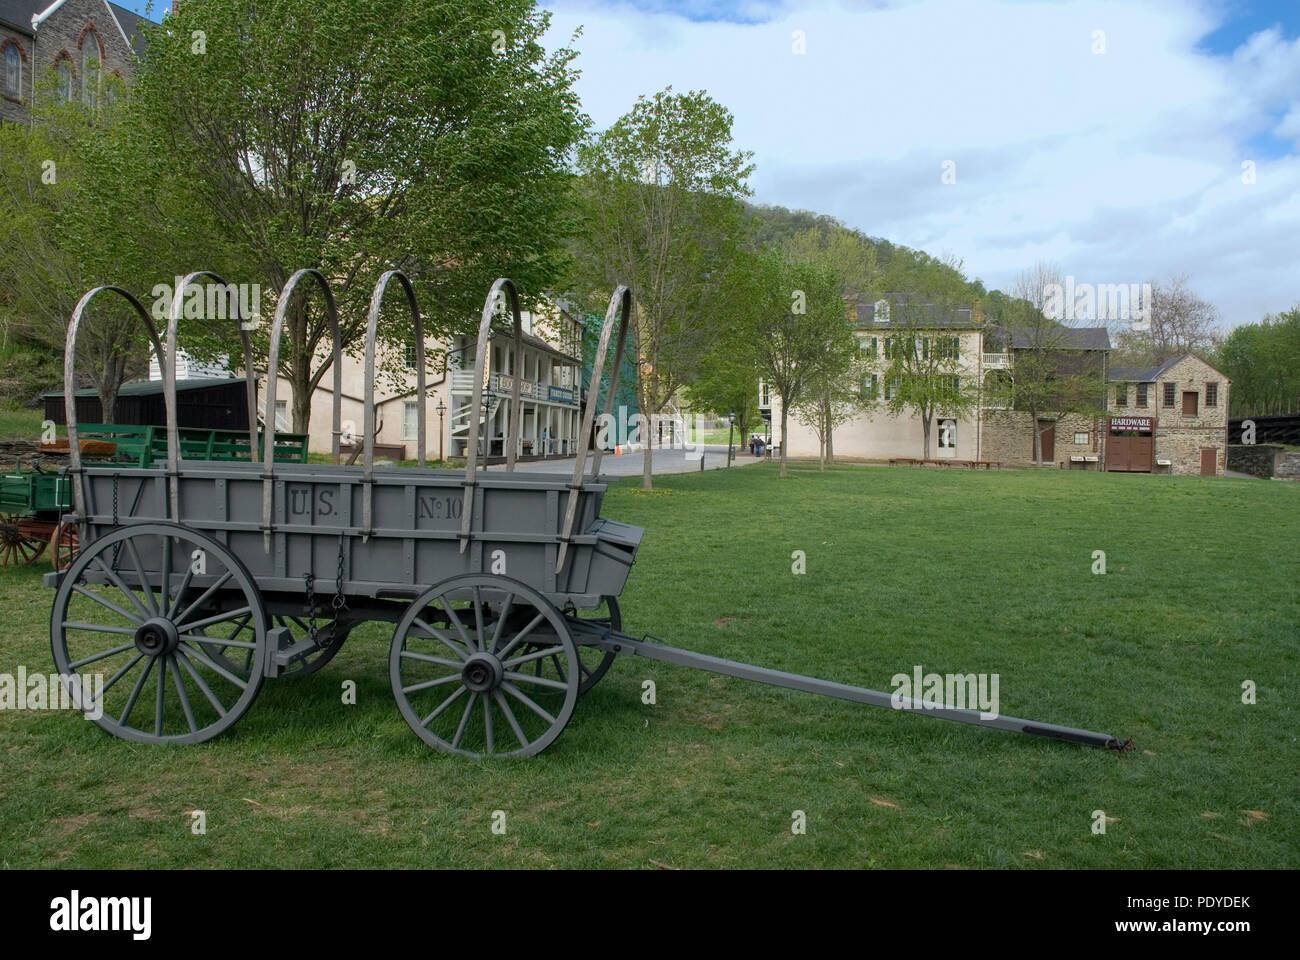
{"x": 1009, "y": 439}
{"x": 1288, "y": 467}
{"x": 76, "y": 25}
{"x": 1257, "y": 459}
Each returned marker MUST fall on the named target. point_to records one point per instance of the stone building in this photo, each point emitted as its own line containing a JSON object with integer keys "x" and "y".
{"x": 86, "y": 48}
{"x": 1172, "y": 418}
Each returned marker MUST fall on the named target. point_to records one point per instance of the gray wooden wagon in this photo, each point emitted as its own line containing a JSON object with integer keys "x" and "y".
{"x": 197, "y": 579}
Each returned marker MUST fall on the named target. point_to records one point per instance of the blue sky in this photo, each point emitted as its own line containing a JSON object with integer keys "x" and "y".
{"x": 1123, "y": 140}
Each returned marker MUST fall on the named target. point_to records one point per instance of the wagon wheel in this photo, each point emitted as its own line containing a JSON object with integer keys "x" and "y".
{"x": 229, "y": 656}
{"x": 17, "y": 544}
{"x": 592, "y": 661}
{"x": 465, "y": 686}
{"x": 143, "y": 633}
{"x": 65, "y": 543}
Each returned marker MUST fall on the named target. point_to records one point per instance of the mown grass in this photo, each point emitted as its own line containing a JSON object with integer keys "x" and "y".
{"x": 956, "y": 572}
{"x": 20, "y": 423}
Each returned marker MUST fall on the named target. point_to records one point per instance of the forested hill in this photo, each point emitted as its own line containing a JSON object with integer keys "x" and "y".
{"x": 863, "y": 261}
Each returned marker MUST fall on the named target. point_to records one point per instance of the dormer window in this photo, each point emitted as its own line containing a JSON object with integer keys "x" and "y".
{"x": 882, "y": 311}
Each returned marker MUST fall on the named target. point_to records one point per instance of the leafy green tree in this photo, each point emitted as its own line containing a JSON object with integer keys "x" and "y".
{"x": 1263, "y": 362}
{"x": 792, "y": 315}
{"x": 60, "y": 239}
{"x": 356, "y": 137}
{"x": 659, "y": 208}
{"x": 923, "y": 374}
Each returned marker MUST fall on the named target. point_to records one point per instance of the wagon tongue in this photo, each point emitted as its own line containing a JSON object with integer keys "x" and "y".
{"x": 651, "y": 648}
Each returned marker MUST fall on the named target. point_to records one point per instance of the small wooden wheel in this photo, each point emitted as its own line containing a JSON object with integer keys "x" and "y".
{"x": 461, "y": 668}
{"x": 65, "y": 544}
{"x": 135, "y": 610}
{"x": 19, "y": 543}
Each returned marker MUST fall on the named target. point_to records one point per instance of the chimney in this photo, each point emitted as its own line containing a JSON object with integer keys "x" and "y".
{"x": 977, "y": 313}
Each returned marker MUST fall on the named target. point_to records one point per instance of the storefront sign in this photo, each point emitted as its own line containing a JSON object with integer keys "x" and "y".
{"x": 1138, "y": 424}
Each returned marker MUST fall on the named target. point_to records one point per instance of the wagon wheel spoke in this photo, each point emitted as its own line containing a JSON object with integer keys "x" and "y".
{"x": 94, "y": 658}
{"x": 464, "y": 721}
{"x": 180, "y": 693}
{"x": 478, "y": 623}
{"x": 201, "y": 683}
{"x": 135, "y": 691}
{"x": 510, "y": 718}
{"x": 521, "y": 635}
{"x": 223, "y": 617}
{"x": 145, "y": 586}
{"x": 460, "y": 691}
{"x": 490, "y": 657}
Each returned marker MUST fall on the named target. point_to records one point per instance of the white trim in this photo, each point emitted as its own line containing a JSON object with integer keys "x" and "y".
{"x": 39, "y": 18}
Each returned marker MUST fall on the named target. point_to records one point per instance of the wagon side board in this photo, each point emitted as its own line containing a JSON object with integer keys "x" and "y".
{"x": 316, "y": 527}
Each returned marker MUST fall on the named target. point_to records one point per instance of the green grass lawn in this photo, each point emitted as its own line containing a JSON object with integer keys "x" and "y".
{"x": 21, "y": 423}
{"x": 955, "y": 572}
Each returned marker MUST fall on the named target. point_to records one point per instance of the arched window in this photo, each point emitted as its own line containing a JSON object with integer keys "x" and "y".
{"x": 65, "y": 80}
{"x": 89, "y": 70}
{"x": 13, "y": 75}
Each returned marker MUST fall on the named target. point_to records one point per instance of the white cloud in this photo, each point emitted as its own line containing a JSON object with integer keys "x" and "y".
{"x": 1120, "y": 166}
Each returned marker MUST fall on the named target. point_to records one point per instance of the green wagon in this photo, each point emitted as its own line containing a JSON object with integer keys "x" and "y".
{"x": 32, "y": 503}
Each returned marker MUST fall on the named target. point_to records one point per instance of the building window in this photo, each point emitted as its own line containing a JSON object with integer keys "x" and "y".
{"x": 410, "y": 420}
{"x": 1142, "y": 395}
{"x": 89, "y": 71}
{"x": 892, "y": 387}
{"x": 1121, "y": 394}
{"x": 1211, "y": 394}
{"x": 409, "y": 356}
{"x": 869, "y": 386}
{"x": 13, "y": 72}
{"x": 65, "y": 80}
{"x": 282, "y": 416}
{"x": 764, "y": 394}
{"x": 882, "y": 311}
{"x": 1081, "y": 439}
{"x": 1169, "y": 395}
{"x": 948, "y": 434}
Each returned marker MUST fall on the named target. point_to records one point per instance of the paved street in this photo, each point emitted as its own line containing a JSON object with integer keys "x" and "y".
{"x": 630, "y": 464}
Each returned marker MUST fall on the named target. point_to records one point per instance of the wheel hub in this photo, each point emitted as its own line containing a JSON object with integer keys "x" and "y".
{"x": 157, "y": 637}
{"x": 482, "y": 672}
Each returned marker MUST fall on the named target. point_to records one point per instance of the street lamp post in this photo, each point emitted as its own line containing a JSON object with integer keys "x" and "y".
{"x": 731, "y": 426}
{"x": 442, "y": 411}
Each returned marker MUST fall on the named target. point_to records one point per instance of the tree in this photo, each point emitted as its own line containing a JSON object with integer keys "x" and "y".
{"x": 792, "y": 315}
{"x": 1263, "y": 362}
{"x": 659, "y": 210}
{"x": 60, "y": 242}
{"x": 727, "y": 382}
{"x": 1051, "y": 375}
{"x": 432, "y": 139}
{"x": 923, "y": 372}
{"x": 1179, "y": 322}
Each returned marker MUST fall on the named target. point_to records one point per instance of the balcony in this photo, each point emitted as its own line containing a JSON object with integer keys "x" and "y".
{"x": 500, "y": 385}
{"x": 996, "y": 361}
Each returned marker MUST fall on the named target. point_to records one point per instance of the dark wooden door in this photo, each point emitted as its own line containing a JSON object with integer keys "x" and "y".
{"x": 1129, "y": 453}
{"x": 1048, "y": 443}
{"x": 1209, "y": 461}
{"x": 1190, "y": 398}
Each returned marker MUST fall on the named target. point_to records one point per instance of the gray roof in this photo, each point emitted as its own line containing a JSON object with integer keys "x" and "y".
{"x": 1068, "y": 338}
{"x": 19, "y": 13}
{"x": 908, "y": 312}
{"x": 149, "y": 388}
{"x": 1150, "y": 374}
{"x": 133, "y": 25}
